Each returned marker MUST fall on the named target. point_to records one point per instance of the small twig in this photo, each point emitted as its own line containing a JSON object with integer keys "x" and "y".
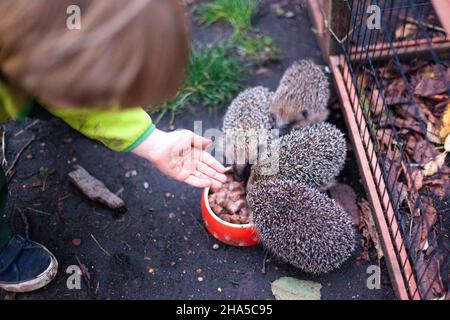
{"x": 101, "y": 248}
{"x": 424, "y": 24}
{"x": 26, "y": 128}
{"x": 266, "y": 255}
{"x": 119, "y": 192}
{"x": 25, "y": 222}
{"x": 87, "y": 278}
{"x": 16, "y": 158}
{"x": 38, "y": 211}
{"x": 4, "y": 161}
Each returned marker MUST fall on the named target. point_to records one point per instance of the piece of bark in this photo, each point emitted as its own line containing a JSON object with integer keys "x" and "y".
{"x": 95, "y": 190}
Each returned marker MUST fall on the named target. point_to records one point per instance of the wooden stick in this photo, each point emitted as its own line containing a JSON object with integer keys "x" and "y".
{"x": 16, "y": 158}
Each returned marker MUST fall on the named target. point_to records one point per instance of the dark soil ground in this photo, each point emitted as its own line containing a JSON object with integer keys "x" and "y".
{"x": 159, "y": 248}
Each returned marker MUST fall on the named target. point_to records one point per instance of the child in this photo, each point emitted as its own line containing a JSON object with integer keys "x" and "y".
{"x": 127, "y": 53}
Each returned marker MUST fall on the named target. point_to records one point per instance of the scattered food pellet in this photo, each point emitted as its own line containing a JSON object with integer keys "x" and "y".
{"x": 131, "y": 173}
{"x": 146, "y": 185}
{"x": 200, "y": 279}
{"x": 29, "y": 157}
{"x": 173, "y": 263}
{"x": 76, "y": 242}
{"x": 171, "y": 215}
{"x": 167, "y": 194}
{"x": 151, "y": 270}
{"x": 215, "y": 246}
{"x": 43, "y": 144}
{"x": 289, "y": 15}
{"x": 199, "y": 270}
{"x": 219, "y": 289}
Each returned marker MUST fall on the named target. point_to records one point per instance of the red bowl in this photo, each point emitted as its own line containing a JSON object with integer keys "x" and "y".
{"x": 240, "y": 235}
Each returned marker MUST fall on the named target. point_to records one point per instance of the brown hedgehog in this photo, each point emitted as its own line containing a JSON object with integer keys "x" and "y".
{"x": 313, "y": 156}
{"x": 302, "y": 96}
{"x": 245, "y": 123}
{"x": 301, "y": 225}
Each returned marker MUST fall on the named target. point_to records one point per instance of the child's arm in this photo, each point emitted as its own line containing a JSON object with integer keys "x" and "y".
{"x": 179, "y": 155}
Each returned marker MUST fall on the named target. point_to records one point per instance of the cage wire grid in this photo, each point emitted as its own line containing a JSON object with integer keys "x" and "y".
{"x": 369, "y": 57}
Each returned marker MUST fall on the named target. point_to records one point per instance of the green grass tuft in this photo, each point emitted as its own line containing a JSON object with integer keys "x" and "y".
{"x": 238, "y": 13}
{"x": 259, "y": 49}
{"x": 214, "y": 76}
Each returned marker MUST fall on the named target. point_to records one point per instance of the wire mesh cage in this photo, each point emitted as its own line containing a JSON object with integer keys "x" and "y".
{"x": 392, "y": 72}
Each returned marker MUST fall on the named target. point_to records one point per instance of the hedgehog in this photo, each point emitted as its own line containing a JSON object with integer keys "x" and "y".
{"x": 301, "y": 225}
{"x": 301, "y": 97}
{"x": 247, "y": 123}
{"x": 312, "y": 155}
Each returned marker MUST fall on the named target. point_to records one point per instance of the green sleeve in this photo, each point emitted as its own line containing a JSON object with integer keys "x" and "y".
{"x": 118, "y": 129}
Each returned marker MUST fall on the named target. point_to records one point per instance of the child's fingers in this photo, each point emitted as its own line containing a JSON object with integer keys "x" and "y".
{"x": 211, "y": 173}
{"x": 198, "y": 180}
{"x": 205, "y": 157}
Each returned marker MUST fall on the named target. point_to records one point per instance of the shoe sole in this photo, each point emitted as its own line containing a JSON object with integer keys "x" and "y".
{"x": 41, "y": 281}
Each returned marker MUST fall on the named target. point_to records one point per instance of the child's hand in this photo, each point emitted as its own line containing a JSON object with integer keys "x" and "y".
{"x": 181, "y": 155}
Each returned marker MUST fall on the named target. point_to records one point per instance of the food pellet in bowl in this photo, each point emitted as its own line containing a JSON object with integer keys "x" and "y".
{"x": 229, "y": 202}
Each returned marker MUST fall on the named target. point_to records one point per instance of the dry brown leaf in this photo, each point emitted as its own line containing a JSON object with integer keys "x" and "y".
{"x": 433, "y": 133}
{"x": 447, "y": 144}
{"x": 434, "y": 165}
{"x": 445, "y": 129}
{"x": 345, "y": 195}
{"x": 430, "y": 87}
{"x": 385, "y": 136}
{"x": 405, "y": 30}
{"x": 366, "y": 214}
{"x": 438, "y": 97}
{"x": 420, "y": 150}
{"x": 429, "y": 273}
{"x": 430, "y": 72}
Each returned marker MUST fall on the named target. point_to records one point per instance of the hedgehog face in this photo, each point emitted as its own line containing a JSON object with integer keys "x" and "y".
{"x": 288, "y": 118}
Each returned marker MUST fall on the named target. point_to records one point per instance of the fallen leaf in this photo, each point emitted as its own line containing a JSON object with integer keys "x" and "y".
{"x": 345, "y": 195}
{"x": 405, "y": 30}
{"x": 445, "y": 129}
{"x": 428, "y": 269}
{"x": 421, "y": 150}
{"x": 370, "y": 226}
{"x": 430, "y": 87}
{"x": 434, "y": 165}
{"x": 287, "y": 288}
{"x": 433, "y": 133}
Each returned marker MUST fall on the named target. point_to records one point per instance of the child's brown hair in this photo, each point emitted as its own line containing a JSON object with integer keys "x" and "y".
{"x": 127, "y": 52}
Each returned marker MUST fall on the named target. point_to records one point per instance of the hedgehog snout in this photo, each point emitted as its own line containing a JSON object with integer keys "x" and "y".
{"x": 285, "y": 129}
{"x": 241, "y": 172}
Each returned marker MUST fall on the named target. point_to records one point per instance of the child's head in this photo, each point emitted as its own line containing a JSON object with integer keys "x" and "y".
{"x": 127, "y": 52}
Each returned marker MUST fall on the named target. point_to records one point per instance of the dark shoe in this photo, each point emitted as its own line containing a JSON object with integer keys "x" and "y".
{"x": 26, "y": 265}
